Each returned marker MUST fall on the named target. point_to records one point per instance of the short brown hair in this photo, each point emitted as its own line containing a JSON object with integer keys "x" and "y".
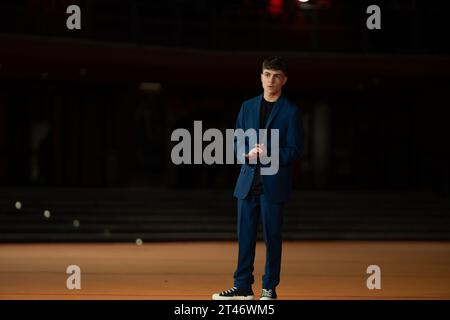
{"x": 275, "y": 63}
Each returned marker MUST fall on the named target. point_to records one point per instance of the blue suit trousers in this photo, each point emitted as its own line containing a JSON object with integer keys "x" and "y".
{"x": 249, "y": 211}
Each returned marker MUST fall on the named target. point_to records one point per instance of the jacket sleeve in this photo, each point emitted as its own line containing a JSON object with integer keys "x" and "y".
{"x": 294, "y": 139}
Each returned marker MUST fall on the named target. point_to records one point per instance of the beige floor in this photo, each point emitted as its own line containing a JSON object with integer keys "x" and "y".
{"x": 311, "y": 270}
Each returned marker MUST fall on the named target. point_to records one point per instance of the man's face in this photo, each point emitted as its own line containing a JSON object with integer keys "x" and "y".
{"x": 273, "y": 81}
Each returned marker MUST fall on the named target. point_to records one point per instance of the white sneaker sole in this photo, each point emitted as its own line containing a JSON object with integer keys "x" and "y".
{"x": 216, "y": 296}
{"x": 265, "y": 298}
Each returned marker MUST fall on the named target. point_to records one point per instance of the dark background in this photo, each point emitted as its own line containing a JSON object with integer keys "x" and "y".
{"x": 86, "y": 116}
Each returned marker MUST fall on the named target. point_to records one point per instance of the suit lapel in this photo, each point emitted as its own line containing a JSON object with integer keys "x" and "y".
{"x": 256, "y": 113}
{"x": 275, "y": 109}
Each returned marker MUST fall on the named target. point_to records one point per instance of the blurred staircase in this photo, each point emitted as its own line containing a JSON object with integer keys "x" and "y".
{"x": 172, "y": 215}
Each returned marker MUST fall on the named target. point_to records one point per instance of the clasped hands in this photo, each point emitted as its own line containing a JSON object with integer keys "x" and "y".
{"x": 256, "y": 152}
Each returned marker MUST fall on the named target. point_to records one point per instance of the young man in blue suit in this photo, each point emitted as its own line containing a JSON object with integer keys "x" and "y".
{"x": 262, "y": 194}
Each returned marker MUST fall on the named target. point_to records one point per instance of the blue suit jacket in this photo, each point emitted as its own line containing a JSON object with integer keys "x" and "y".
{"x": 287, "y": 118}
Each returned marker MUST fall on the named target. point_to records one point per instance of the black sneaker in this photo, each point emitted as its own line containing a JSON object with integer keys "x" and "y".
{"x": 234, "y": 294}
{"x": 268, "y": 294}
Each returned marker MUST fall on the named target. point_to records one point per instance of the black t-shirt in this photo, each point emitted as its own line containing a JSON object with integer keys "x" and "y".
{"x": 265, "y": 110}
